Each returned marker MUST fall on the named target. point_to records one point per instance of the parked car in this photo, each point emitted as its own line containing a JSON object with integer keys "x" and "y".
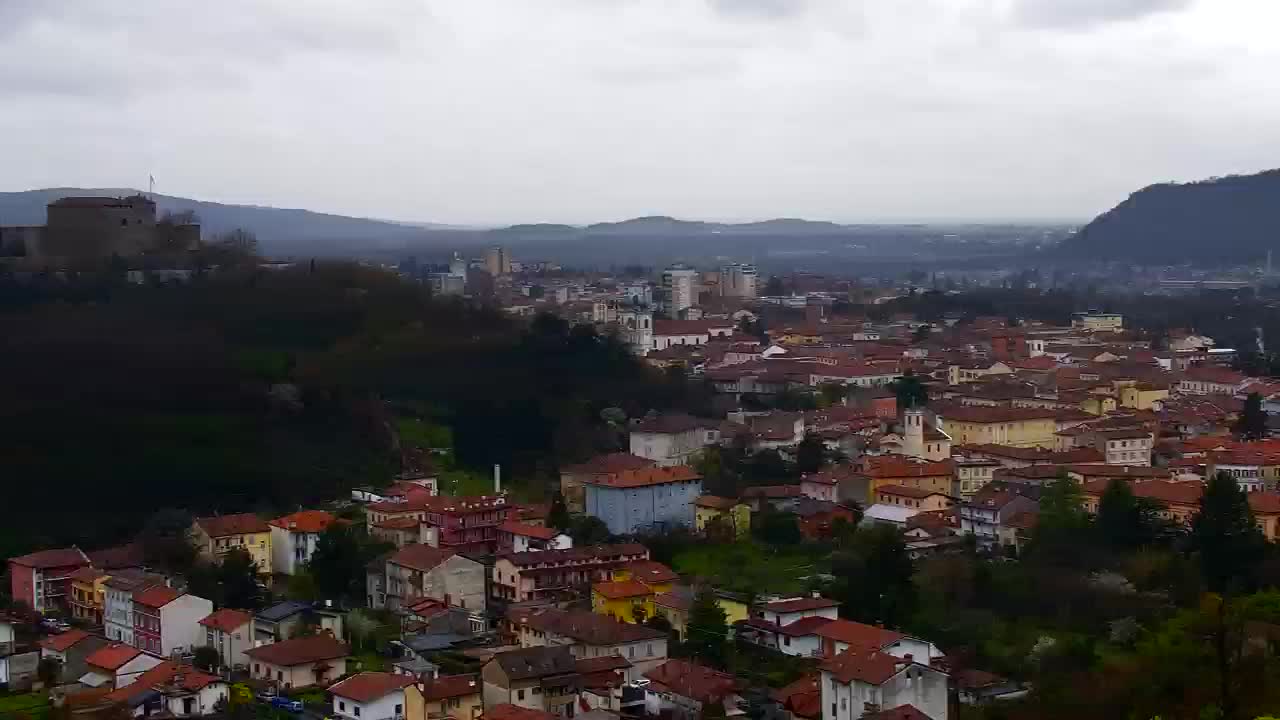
{"x": 285, "y": 703}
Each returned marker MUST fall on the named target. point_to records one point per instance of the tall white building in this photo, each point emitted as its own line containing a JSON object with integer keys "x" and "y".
{"x": 739, "y": 280}
{"x": 678, "y": 283}
{"x": 636, "y": 328}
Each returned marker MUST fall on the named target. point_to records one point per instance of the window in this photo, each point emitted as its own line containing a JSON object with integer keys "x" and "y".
{"x": 520, "y": 694}
{"x": 356, "y": 709}
{"x": 399, "y": 710}
{"x": 537, "y": 691}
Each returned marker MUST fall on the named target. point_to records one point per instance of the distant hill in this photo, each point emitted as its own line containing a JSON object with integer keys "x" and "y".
{"x": 1228, "y": 219}
{"x": 280, "y": 231}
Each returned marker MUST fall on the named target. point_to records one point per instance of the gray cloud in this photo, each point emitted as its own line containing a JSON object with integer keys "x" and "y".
{"x": 760, "y": 8}
{"x": 491, "y": 111}
{"x": 1086, "y": 13}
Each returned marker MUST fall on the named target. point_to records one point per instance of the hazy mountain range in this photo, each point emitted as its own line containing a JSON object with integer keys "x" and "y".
{"x": 792, "y": 242}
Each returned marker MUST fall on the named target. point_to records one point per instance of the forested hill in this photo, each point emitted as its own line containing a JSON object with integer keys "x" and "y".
{"x": 270, "y": 391}
{"x": 1229, "y": 219}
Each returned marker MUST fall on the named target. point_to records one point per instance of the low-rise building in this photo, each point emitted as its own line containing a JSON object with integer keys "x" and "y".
{"x": 88, "y": 595}
{"x": 117, "y": 617}
{"x": 42, "y": 579}
{"x": 639, "y": 500}
{"x": 733, "y": 513}
{"x": 457, "y": 697}
{"x": 990, "y": 508}
{"x": 672, "y": 439}
{"x": 514, "y": 536}
{"x": 543, "y": 679}
{"x": 371, "y": 696}
{"x": 70, "y": 649}
{"x": 419, "y": 571}
{"x": 215, "y": 536}
{"x": 682, "y": 690}
{"x": 574, "y": 477}
{"x": 166, "y": 621}
{"x": 230, "y": 632}
{"x": 1017, "y": 427}
{"x": 171, "y": 689}
{"x": 294, "y": 538}
{"x": 300, "y": 662}
{"x": 860, "y": 683}
{"x": 921, "y": 499}
{"x": 589, "y": 635}
{"x": 116, "y": 665}
{"x": 547, "y": 574}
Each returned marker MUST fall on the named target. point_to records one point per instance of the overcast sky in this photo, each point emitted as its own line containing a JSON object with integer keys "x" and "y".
{"x": 499, "y": 111}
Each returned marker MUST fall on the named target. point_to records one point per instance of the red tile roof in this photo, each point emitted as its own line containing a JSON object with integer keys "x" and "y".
{"x": 59, "y": 557}
{"x": 1264, "y": 503}
{"x": 693, "y": 681}
{"x": 673, "y": 601}
{"x": 62, "y": 641}
{"x": 588, "y": 627}
{"x": 985, "y": 415}
{"x": 306, "y": 521}
{"x": 892, "y": 466}
{"x": 673, "y": 423}
{"x": 421, "y": 557}
{"x": 87, "y": 575}
{"x": 299, "y": 651}
{"x": 805, "y": 626}
{"x": 620, "y": 589}
{"x": 597, "y": 553}
{"x": 111, "y": 657}
{"x": 646, "y": 477}
{"x": 226, "y": 619}
{"x": 451, "y": 686}
{"x": 907, "y": 492}
{"x": 168, "y": 674}
{"x": 1162, "y": 491}
{"x": 772, "y": 491}
{"x": 156, "y": 597}
{"x": 224, "y": 525}
{"x": 651, "y": 571}
{"x": 715, "y": 502}
{"x": 859, "y": 635}
{"x": 611, "y": 463}
{"x": 370, "y": 686}
{"x": 121, "y": 556}
{"x": 526, "y": 530}
{"x": 869, "y": 666}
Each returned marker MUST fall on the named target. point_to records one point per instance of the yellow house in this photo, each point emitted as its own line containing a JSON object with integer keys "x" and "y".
{"x": 215, "y": 536}
{"x": 448, "y": 696}
{"x": 1098, "y": 404}
{"x": 629, "y": 594}
{"x": 1017, "y": 427}
{"x": 735, "y": 513}
{"x": 1141, "y": 396}
{"x": 674, "y": 607}
{"x": 88, "y": 594}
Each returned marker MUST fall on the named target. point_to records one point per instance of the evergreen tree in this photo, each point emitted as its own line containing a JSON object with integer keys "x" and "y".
{"x": 809, "y": 454}
{"x": 1252, "y": 423}
{"x": 910, "y": 391}
{"x": 558, "y": 516}
{"x": 1225, "y": 536}
{"x": 876, "y": 577}
{"x": 337, "y": 564}
{"x": 1124, "y": 522}
{"x": 1062, "y": 522}
{"x": 238, "y": 581}
{"x": 708, "y": 629}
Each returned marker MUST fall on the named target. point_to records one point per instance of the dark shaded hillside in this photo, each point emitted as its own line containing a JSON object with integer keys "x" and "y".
{"x": 266, "y": 392}
{"x": 1228, "y": 219}
{"x": 281, "y": 231}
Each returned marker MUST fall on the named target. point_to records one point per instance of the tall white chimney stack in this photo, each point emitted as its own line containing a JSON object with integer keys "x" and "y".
{"x": 497, "y": 479}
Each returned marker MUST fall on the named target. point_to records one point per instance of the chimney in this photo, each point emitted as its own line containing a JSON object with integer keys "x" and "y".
{"x": 497, "y": 479}
{"x": 907, "y": 657}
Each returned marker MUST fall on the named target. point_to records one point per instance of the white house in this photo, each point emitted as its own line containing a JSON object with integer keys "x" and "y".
{"x": 860, "y": 682}
{"x": 117, "y": 611}
{"x": 300, "y": 662}
{"x": 230, "y": 632}
{"x": 116, "y": 665}
{"x": 166, "y": 621}
{"x": 293, "y": 538}
{"x": 173, "y": 688}
{"x": 672, "y": 439}
{"x": 371, "y": 696}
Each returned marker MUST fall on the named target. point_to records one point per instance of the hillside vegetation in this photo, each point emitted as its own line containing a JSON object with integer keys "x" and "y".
{"x": 1226, "y": 219}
